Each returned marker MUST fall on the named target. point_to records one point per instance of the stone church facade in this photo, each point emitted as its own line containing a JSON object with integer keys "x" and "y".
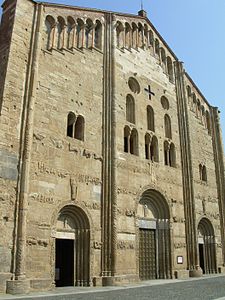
{"x": 111, "y": 159}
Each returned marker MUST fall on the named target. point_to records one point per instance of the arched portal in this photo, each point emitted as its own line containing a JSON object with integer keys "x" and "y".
{"x": 72, "y": 248}
{"x": 206, "y": 246}
{"x": 154, "y": 236}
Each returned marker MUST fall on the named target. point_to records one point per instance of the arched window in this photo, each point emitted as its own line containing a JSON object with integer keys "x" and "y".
{"x": 169, "y": 154}
{"x": 79, "y": 128}
{"x": 204, "y": 174}
{"x": 172, "y": 156}
{"x": 150, "y": 118}
{"x": 119, "y": 35}
{"x": 167, "y": 127}
{"x": 202, "y": 114}
{"x": 127, "y": 36}
{"x": 198, "y": 110}
{"x": 88, "y": 33}
{"x": 147, "y": 146}
{"x": 200, "y": 171}
{"x": 126, "y": 139}
{"x": 151, "y": 38}
{"x": 208, "y": 122}
{"x": 130, "y": 109}
{"x": 70, "y": 32}
{"x": 194, "y": 106}
{"x": 146, "y": 41}
{"x": 50, "y": 26}
{"x": 134, "y": 142}
{"x": 60, "y": 33}
{"x": 163, "y": 58}
{"x": 189, "y": 93}
{"x": 166, "y": 153}
{"x": 170, "y": 69}
{"x": 79, "y": 33}
{"x": 98, "y": 35}
{"x": 157, "y": 47}
{"x": 154, "y": 152}
{"x": 134, "y": 35}
{"x": 71, "y": 118}
{"x": 140, "y": 35}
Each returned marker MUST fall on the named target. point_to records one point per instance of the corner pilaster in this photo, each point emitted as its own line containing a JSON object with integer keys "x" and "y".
{"x": 19, "y": 283}
{"x": 219, "y": 168}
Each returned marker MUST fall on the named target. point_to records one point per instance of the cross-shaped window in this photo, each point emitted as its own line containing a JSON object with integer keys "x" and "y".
{"x": 149, "y": 91}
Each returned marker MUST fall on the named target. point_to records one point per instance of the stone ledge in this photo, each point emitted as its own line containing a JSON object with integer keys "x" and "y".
{"x": 181, "y": 274}
{"x": 17, "y": 287}
{"x": 115, "y": 280}
{"x": 41, "y": 284}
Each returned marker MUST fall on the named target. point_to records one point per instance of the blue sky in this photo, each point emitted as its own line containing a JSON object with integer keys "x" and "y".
{"x": 194, "y": 29}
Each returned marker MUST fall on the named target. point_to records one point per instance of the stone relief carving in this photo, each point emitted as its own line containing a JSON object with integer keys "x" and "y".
{"x": 124, "y": 245}
{"x": 204, "y": 206}
{"x": 121, "y": 190}
{"x": 31, "y": 241}
{"x": 84, "y": 152}
{"x": 74, "y": 189}
{"x": 179, "y": 245}
{"x": 42, "y": 168}
{"x": 93, "y": 205}
{"x": 126, "y": 212}
{"x": 42, "y": 198}
{"x": 57, "y": 143}
{"x": 39, "y": 136}
{"x": 133, "y": 168}
{"x": 97, "y": 245}
{"x": 207, "y": 199}
{"x": 178, "y": 219}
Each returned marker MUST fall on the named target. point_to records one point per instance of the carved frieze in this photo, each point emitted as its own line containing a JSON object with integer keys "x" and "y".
{"x": 133, "y": 167}
{"x": 42, "y": 198}
{"x": 125, "y": 191}
{"x": 84, "y": 152}
{"x": 179, "y": 245}
{"x": 130, "y": 213}
{"x": 31, "y": 241}
{"x": 42, "y": 168}
{"x": 92, "y": 205}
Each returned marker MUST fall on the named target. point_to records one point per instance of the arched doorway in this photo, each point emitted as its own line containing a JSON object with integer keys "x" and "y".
{"x": 206, "y": 246}
{"x": 72, "y": 248}
{"x": 154, "y": 236}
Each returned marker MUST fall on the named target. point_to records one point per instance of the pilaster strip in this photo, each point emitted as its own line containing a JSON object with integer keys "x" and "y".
{"x": 187, "y": 173}
{"x": 24, "y": 180}
{"x": 109, "y": 152}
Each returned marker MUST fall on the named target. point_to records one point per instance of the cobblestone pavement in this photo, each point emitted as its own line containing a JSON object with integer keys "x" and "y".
{"x": 205, "y": 288}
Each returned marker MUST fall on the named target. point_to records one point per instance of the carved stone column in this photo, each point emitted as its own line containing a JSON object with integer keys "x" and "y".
{"x": 219, "y": 167}
{"x": 187, "y": 174}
